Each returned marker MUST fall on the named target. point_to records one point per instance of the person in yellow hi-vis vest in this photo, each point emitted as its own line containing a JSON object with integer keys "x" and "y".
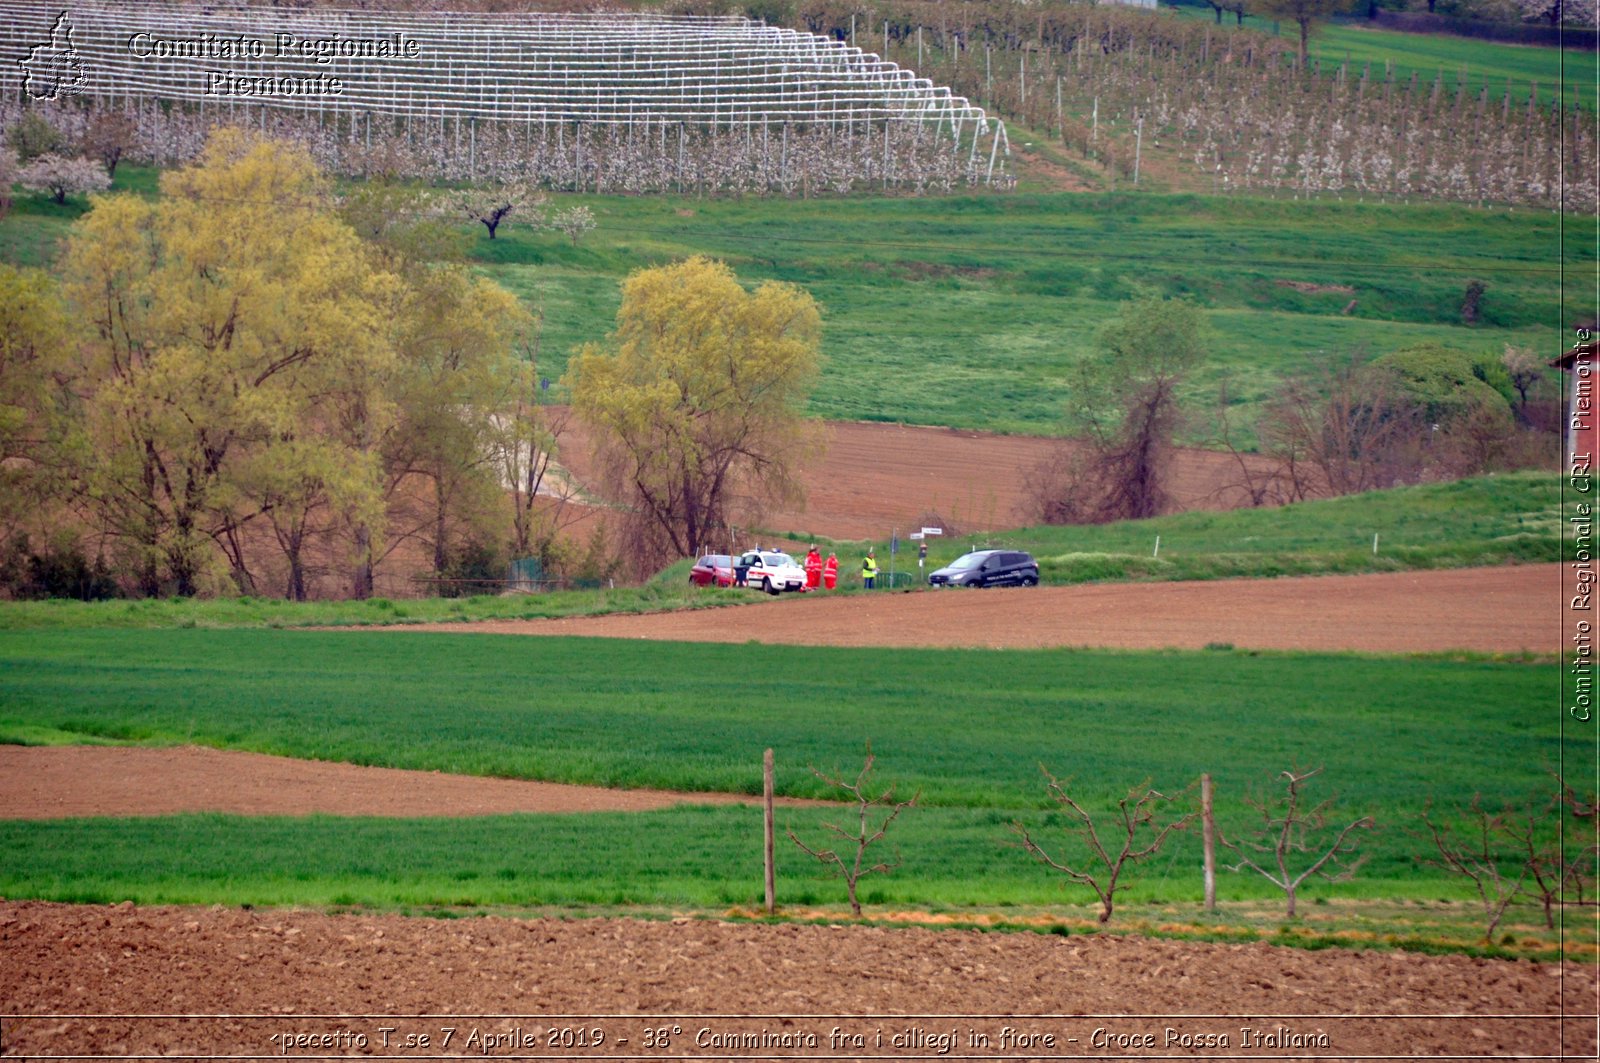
{"x": 869, "y": 571}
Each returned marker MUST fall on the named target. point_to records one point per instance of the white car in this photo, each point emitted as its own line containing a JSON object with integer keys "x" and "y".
{"x": 771, "y": 571}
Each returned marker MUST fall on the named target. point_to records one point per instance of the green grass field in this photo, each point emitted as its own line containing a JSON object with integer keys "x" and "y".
{"x": 1464, "y": 59}
{"x": 967, "y": 310}
{"x": 975, "y": 307}
{"x": 1461, "y": 59}
{"x": 696, "y": 717}
{"x": 1389, "y": 733}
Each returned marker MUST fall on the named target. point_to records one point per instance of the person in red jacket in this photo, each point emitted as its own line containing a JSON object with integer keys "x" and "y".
{"x": 830, "y": 572}
{"x": 813, "y": 569}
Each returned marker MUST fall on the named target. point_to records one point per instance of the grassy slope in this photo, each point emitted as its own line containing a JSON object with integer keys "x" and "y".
{"x": 1475, "y": 62}
{"x": 973, "y": 306}
{"x": 1389, "y": 731}
{"x": 1472, "y": 61}
{"x": 1485, "y": 520}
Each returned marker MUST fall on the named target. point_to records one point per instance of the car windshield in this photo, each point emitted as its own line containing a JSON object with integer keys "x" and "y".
{"x": 966, "y": 561}
{"x": 774, "y": 560}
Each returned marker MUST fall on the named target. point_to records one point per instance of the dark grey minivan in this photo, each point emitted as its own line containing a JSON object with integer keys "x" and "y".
{"x": 988, "y": 568}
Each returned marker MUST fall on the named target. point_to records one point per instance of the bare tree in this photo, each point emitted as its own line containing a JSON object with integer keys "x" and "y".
{"x": 1139, "y": 816}
{"x": 1303, "y": 13}
{"x": 852, "y": 861}
{"x": 1344, "y": 430}
{"x": 1263, "y": 482}
{"x": 1125, "y": 408}
{"x": 1474, "y": 848}
{"x": 1532, "y": 829}
{"x": 1290, "y": 831}
{"x": 108, "y": 137}
{"x": 1581, "y": 868}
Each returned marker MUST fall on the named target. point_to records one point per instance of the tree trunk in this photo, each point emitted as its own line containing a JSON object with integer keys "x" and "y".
{"x": 149, "y": 579}
{"x": 1289, "y": 892}
{"x": 180, "y": 561}
{"x": 361, "y": 578}
{"x": 296, "y": 588}
{"x": 441, "y": 552}
{"x": 228, "y": 539}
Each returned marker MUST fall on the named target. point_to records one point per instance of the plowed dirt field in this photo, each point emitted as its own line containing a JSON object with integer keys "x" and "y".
{"x": 714, "y": 990}
{"x": 1488, "y": 610}
{"x": 873, "y": 478}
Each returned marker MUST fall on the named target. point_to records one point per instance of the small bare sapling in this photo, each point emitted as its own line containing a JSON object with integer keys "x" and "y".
{"x": 1142, "y": 827}
{"x": 1475, "y": 846}
{"x": 851, "y": 857}
{"x": 1289, "y": 832}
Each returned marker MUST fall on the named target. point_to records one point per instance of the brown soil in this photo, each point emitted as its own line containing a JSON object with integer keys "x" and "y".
{"x": 1508, "y": 609}
{"x": 874, "y": 478}
{"x": 241, "y": 977}
{"x": 48, "y": 783}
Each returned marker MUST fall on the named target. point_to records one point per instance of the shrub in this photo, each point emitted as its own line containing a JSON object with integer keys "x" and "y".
{"x": 59, "y": 571}
{"x": 32, "y": 137}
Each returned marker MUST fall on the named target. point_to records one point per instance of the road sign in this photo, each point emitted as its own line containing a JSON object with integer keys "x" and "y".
{"x": 914, "y": 535}
{"x": 932, "y": 531}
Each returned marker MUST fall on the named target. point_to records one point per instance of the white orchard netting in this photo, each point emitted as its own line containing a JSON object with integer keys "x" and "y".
{"x": 621, "y": 102}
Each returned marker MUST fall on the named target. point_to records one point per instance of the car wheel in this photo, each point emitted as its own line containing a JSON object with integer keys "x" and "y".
{"x": 1030, "y": 581}
{"x": 766, "y": 585}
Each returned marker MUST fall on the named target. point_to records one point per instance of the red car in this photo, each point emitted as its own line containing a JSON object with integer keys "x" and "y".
{"x": 712, "y": 569}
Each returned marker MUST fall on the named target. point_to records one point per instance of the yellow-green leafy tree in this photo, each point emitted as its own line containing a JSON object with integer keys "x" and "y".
{"x": 33, "y": 334}
{"x": 235, "y": 343}
{"x": 696, "y": 401}
{"x": 456, "y": 382}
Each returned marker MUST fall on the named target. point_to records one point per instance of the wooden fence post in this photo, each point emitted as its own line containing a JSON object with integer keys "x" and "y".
{"x": 766, "y": 803}
{"x": 1208, "y": 834}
